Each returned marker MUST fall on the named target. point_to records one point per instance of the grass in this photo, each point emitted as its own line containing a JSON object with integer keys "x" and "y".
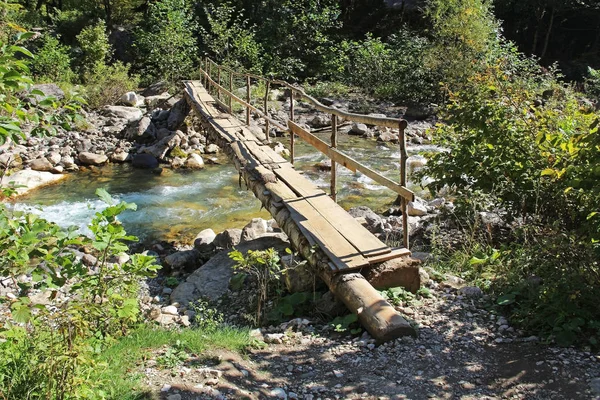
{"x": 120, "y": 360}
{"x": 324, "y": 89}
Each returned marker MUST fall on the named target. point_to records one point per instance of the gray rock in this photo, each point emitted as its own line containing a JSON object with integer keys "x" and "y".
{"x": 212, "y": 279}
{"x": 163, "y": 146}
{"x": 416, "y": 209}
{"x": 120, "y": 155}
{"x": 204, "y": 241}
{"x": 129, "y": 99}
{"x": 416, "y": 162}
{"x": 10, "y": 159}
{"x": 131, "y": 114}
{"x": 254, "y": 229}
{"x": 92, "y": 158}
{"x": 155, "y": 89}
{"x": 144, "y": 161}
{"x": 49, "y": 90}
{"x": 388, "y": 137}
{"x": 180, "y": 110}
{"x": 169, "y": 310}
{"x": 595, "y": 386}
{"x": 359, "y": 129}
{"x": 54, "y": 157}
{"x": 212, "y": 149}
{"x": 157, "y": 100}
{"x": 194, "y": 161}
{"x": 420, "y": 111}
{"x": 471, "y": 291}
{"x": 187, "y": 259}
{"x": 142, "y": 131}
{"x": 320, "y": 121}
{"x": 41, "y": 164}
{"x": 68, "y": 162}
{"x": 228, "y": 238}
{"x": 83, "y": 145}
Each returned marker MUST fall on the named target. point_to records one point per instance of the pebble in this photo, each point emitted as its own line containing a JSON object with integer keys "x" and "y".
{"x": 169, "y": 310}
{"x": 279, "y": 393}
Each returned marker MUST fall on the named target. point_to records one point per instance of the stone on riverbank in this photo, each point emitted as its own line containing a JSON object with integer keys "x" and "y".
{"x": 87, "y": 158}
{"x": 29, "y": 179}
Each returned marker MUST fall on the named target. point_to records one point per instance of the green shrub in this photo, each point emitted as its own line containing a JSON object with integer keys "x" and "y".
{"x": 105, "y": 84}
{"x": 166, "y": 43}
{"x": 94, "y": 45}
{"x": 592, "y": 83}
{"x": 48, "y": 352}
{"x": 52, "y": 62}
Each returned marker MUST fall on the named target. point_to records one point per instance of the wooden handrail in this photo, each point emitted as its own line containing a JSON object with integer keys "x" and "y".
{"x": 335, "y": 155}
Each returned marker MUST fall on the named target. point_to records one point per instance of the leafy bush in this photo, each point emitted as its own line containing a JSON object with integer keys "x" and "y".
{"x": 47, "y": 352}
{"x": 52, "y": 62}
{"x": 592, "y": 83}
{"x": 96, "y": 51}
{"x": 230, "y": 40}
{"x": 394, "y": 69}
{"x": 105, "y": 84}
{"x": 166, "y": 43}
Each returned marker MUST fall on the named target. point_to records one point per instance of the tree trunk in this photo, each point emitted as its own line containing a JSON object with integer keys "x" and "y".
{"x": 548, "y": 33}
{"x": 539, "y": 15}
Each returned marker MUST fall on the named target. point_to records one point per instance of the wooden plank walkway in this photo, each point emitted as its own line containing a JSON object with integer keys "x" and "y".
{"x": 321, "y": 220}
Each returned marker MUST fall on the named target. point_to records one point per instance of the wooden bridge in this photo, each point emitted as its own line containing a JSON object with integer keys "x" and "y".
{"x": 334, "y": 243}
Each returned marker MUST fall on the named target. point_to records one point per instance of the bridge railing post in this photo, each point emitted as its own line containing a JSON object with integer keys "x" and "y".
{"x": 230, "y": 103}
{"x": 333, "y": 163}
{"x": 266, "y": 107}
{"x": 292, "y": 135}
{"x": 206, "y": 66}
{"x": 218, "y": 82}
{"x": 403, "y": 202}
{"x": 248, "y": 99}
{"x": 208, "y": 77}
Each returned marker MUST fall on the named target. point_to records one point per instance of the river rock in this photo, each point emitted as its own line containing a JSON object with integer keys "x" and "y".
{"x": 254, "y": 229}
{"x": 358, "y": 129}
{"x": 41, "y": 164}
{"x": 177, "y": 115}
{"x": 320, "y": 121}
{"x": 155, "y": 89}
{"x": 68, "y": 162}
{"x": 416, "y": 209}
{"x": 92, "y": 158}
{"x": 228, "y": 238}
{"x": 142, "y": 131}
{"x": 163, "y": 146}
{"x": 27, "y": 179}
{"x": 372, "y": 219}
{"x": 212, "y": 149}
{"x": 119, "y": 156}
{"x": 129, "y": 99}
{"x": 83, "y": 145}
{"x": 194, "y": 161}
{"x": 186, "y": 259}
{"x": 144, "y": 161}
{"x": 10, "y": 159}
{"x": 157, "y": 100}
{"x": 131, "y": 114}
{"x": 388, "y": 136}
{"x": 204, "y": 241}
{"x": 212, "y": 279}
{"x": 54, "y": 157}
{"x": 49, "y": 90}
{"x": 280, "y": 149}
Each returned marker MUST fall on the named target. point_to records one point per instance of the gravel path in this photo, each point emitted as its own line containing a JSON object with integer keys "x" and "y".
{"x": 462, "y": 352}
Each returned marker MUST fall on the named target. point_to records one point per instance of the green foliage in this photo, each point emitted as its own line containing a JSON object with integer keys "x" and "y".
{"x": 463, "y": 31}
{"x": 295, "y": 304}
{"x": 347, "y": 323}
{"x": 173, "y": 356}
{"x": 52, "y": 62}
{"x": 51, "y": 349}
{"x": 325, "y": 89}
{"x": 592, "y": 83}
{"x": 206, "y": 318}
{"x": 394, "y": 69}
{"x": 166, "y": 44}
{"x": 230, "y": 39}
{"x": 96, "y": 51}
{"x": 265, "y": 267}
{"x": 105, "y": 84}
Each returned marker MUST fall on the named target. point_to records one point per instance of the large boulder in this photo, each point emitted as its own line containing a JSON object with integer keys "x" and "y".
{"x": 131, "y": 114}
{"x": 130, "y": 99}
{"x": 163, "y": 146}
{"x": 144, "y": 161}
{"x": 87, "y": 158}
{"x": 228, "y": 238}
{"x": 194, "y": 161}
{"x": 186, "y": 259}
{"x": 180, "y": 110}
{"x": 254, "y": 229}
{"x": 49, "y": 90}
{"x": 142, "y": 131}
{"x": 204, "y": 241}
{"x": 359, "y": 129}
{"x": 212, "y": 279}
{"x": 27, "y": 179}
{"x": 320, "y": 121}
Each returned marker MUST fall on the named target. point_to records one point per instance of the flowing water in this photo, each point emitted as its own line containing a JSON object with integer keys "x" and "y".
{"x": 177, "y": 204}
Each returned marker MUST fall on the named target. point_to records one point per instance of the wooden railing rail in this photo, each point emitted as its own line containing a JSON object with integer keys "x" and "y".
{"x": 225, "y": 98}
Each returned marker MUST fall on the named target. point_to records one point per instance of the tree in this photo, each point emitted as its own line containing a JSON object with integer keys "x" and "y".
{"x": 166, "y": 44}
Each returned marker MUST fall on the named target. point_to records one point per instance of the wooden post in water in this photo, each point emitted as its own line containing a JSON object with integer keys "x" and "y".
{"x": 230, "y": 91}
{"x": 266, "y": 105}
{"x": 248, "y": 99}
{"x": 291, "y": 132}
{"x": 403, "y": 203}
{"x": 333, "y": 163}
